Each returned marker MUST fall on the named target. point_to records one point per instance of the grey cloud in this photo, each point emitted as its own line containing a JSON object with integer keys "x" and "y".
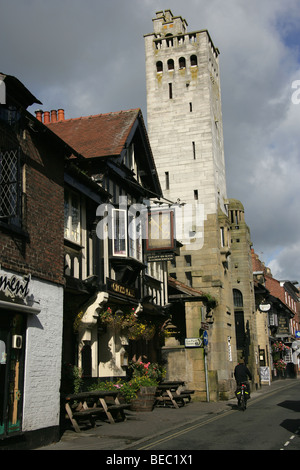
{"x": 88, "y": 57}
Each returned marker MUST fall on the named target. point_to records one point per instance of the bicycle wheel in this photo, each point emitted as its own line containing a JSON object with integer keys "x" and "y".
{"x": 243, "y": 402}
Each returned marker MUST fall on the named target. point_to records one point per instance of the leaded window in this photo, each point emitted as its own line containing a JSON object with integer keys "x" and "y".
{"x": 10, "y": 186}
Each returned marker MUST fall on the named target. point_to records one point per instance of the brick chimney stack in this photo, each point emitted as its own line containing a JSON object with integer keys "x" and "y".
{"x": 53, "y": 116}
{"x": 39, "y": 115}
{"x": 46, "y": 117}
{"x": 61, "y": 115}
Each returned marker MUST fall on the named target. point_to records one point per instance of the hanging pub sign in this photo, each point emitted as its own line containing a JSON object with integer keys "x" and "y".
{"x": 160, "y": 230}
{"x": 283, "y": 325}
{"x": 120, "y": 289}
{"x": 264, "y": 307}
{"x": 14, "y": 286}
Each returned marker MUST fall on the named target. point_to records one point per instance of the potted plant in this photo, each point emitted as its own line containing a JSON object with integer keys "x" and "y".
{"x": 146, "y": 376}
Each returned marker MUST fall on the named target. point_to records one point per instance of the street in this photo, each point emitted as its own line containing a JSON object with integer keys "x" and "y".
{"x": 270, "y": 422}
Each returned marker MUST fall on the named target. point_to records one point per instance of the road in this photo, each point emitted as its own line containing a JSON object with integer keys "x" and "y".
{"x": 271, "y": 422}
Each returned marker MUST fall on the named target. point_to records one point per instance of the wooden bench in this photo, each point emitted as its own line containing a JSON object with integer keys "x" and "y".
{"x": 90, "y": 405}
{"x": 172, "y": 392}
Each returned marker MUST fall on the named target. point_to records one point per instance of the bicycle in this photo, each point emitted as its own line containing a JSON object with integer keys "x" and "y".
{"x": 242, "y": 395}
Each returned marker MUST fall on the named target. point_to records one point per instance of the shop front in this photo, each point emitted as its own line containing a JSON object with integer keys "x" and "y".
{"x": 13, "y": 322}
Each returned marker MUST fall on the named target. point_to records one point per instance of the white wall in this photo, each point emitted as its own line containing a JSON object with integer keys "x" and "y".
{"x": 41, "y": 405}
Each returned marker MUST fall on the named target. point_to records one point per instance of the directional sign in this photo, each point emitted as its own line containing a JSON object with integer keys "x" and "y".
{"x": 193, "y": 342}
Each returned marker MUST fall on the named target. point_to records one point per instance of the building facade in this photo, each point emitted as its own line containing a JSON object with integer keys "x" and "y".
{"x": 277, "y": 304}
{"x": 245, "y": 313}
{"x": 184, "y": 117}
{"x": 120, "y": 306}
{"x": 32, "y": 162}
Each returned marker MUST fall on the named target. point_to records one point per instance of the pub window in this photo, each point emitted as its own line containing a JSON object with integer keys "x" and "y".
{"x": 127, "y": 233}
{"x": 135, "y": 236}
{"x": 72, "y": 216}
{"x": 10, "y": 187}
{"x": 119, "y": 232}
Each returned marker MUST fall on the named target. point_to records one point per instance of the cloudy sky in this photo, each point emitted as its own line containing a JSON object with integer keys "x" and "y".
{"x": 87, "y": 56}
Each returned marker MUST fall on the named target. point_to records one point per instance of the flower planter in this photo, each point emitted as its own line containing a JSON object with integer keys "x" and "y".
{"x": 145, "y": 399}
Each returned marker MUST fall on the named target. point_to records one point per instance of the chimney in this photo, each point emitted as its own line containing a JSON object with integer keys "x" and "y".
{"x": 39, "y": 115}
{"x": 61, "y": 115}
{"x": 53, "y": 115}
{"x": 46, "y": 117}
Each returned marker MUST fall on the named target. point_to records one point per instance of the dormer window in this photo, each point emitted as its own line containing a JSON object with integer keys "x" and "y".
{"x": 129, "y": 157}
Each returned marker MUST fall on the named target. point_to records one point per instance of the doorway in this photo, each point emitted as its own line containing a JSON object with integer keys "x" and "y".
{"x": 12, "y": 352}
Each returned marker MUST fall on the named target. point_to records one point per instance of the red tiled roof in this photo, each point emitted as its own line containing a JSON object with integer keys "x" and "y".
{"x": 97, "y": 136}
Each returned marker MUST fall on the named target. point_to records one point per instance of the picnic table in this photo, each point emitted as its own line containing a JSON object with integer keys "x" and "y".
{"x": 172, "y": 392}
{"x": 90, "y": 405}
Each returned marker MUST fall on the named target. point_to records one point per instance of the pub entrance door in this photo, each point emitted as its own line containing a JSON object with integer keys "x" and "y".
{"x": 12, "y": 352}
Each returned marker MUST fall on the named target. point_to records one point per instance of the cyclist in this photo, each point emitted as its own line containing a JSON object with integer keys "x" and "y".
{"x": 241, "y": 374}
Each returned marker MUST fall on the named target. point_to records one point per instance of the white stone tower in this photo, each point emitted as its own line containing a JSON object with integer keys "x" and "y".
{"x": 184, "y": 119}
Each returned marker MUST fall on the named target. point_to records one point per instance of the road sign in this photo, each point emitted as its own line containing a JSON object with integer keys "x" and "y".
{"x": 193, "y": 342}
{"x": 205, "y": 338}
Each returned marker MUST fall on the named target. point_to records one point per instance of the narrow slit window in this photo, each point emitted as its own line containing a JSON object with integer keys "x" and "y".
{"x": 167, "y": 180}
{"x": 196, "y": 194}
{"x": 170, "y": 91}
{"x": 194, "y": 150}
{"x": 191, "y": 107}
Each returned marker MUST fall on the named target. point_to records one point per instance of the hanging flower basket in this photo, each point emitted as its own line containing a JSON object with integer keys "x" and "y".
{"x": 280, "y": 365}
{"x": 118, "y": 319}
{"x": 141, "y": 330}
{"x": 279, "y": 346}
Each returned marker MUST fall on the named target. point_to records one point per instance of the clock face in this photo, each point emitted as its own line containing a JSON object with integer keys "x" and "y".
{"x": 160, "y": 230}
